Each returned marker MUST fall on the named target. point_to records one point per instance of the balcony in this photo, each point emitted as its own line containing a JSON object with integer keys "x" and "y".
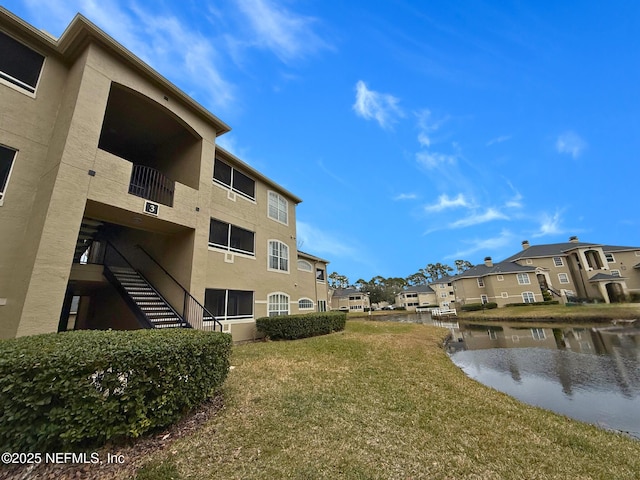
{"x": 151, "y": 184}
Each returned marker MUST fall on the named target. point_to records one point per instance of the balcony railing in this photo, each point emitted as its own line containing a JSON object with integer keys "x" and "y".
{"x": 151, "y": 184}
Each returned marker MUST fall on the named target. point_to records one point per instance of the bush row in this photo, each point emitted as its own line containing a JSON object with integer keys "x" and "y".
{"x": 290, "y": 327}
{"x": 533, "y": 304}
{"x": 70, "y": 391}
{"x": 472, "y": 307}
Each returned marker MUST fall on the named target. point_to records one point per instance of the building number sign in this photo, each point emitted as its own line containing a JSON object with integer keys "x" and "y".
{"x": 151, "y": 208}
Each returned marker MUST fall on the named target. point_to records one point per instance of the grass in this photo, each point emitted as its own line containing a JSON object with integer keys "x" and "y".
{"x": 381, "y": 400}
{"x": 581, "y": 313}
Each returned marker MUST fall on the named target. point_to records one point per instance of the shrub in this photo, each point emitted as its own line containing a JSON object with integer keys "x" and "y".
{"x": 473, "y": 307}
{"x": 291, "y": 327}
{"x": 72, "y": 390}
{"x": 532, "y": 304}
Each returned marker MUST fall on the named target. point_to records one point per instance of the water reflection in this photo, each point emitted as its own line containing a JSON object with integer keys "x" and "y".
{"x": 590, "y": 374}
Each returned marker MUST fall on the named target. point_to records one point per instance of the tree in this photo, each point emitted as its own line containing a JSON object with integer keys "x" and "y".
{"x": 338, "y": 281}
{"x": 462, "y": 265}
{"x": 417, "y": 278}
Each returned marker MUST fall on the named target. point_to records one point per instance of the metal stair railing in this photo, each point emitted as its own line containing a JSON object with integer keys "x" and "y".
{"x": 112, "y": 258}
{"x": 192, "y": 311}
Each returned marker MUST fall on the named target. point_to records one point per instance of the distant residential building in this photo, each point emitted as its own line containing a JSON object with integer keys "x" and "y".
{"x": 444, "y": 291}
{"x": 349, "y": 300}
{"x": 564, "y": 271}
{"x": 414, "y": 297}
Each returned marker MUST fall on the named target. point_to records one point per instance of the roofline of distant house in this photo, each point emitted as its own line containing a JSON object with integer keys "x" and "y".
{"x": 80, "y": 33}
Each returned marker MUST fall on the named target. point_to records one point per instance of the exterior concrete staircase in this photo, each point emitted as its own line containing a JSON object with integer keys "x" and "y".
{"x": 88, "y": 230}
{"x": 144, "y": 298}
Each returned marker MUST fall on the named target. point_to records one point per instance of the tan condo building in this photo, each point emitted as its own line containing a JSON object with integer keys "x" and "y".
{"x": 115, "y": 198}
{"x": 565, "y": 272}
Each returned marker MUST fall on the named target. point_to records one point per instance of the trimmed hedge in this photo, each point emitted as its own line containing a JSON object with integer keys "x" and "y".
{"x": 472, "y": 307}
{"x": 291, "y": 327}
{"x": 532, "y": 304}
{"x": 70, "y": 391}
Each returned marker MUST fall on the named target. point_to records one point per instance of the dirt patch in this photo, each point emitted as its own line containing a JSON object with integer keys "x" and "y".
{"x": 125, "y": 460}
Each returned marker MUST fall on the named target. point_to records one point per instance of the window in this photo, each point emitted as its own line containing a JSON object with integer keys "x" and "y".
{"x": 304, "y": 266}
{"x": 7, "y": 156}
{"x": 504, "y": 294}
{"x": 484, "y": 299}
{"x": 500, "y": 278}
{"x": 355, "y": 307}
{"x": 278, "y": 208}
{"x": 229, "y": 304}
{"x": 322, "y": 305}
{"x": 19, "y": 65}
{"x": 278, "y": 304}
{"x": 523, "y": 279}
{"x": 229, "y": 237}
{"x": 563, "y": 278}
{"x": 609, "y": 257}
{"x": 355, "y": 297}
{"x": 443, "y": 295}
{"x": 319, "y": 275}
{"x": 528, "y": 297}
{"x": 558, "y": 262}
{"x": 615, "y": 273}
{"x": 234, "y": 179}
{"x": 305, "y": 304}
{"x": 278, "y": 256}
{"x": 480, "y": 282}
{"x": 538, "y": 334}
{"x": 529, "y": 261}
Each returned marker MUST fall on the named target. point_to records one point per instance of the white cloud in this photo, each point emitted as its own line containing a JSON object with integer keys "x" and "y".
{"x": 372, "y": 105}
{"x": 319, "y": 241}
{"x": 485, "y": 245}
{"x": 445, "y": 202}
{"x": 427, "y": 126}
{"x": 431, "y": 160}
{"x": 162, "y": 40}
{"x": 570, "y": 143}
{"x": 489, "y": 215}
{"x": 500, "y": 139}
{"x": 550, "y": 225}
{"x": 288, "y": 35}
{"x": 406, "y": 196}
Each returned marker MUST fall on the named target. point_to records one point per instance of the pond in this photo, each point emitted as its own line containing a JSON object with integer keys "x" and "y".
{"x": 587, "y": 373}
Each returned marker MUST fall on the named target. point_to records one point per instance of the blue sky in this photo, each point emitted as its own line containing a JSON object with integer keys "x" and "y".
{"x": 415, "y": 132}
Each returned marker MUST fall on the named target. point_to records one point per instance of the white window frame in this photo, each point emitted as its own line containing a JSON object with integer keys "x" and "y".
{"x": 480, "y": 281}
{"x": 484, "y": 299}
{"x": 523, "y": 279}
{"x": 500, "y": 278}
{"x": 228, "y": 247}
{"x": 564, "y": 276}
{"x": 19, "y": 85}
{"x": 3, "y": 188}
{"x": 307, "y": 302}
{"x": 230, "y": 186}
{"x": 504, "y": 294}
{"x": 529, "y": 261}
{"x": 558, "y": 261}
{"x": 275, "y": 302}
{"x": 280, "y": 207}
{"x": 278, "y": 251}
{"x": 606, "y": 257}
{"x": 322, "y": 305}
{"x": 305, "y": 266}
{"x": 528, "y": 297}
{"x": 615, "y": 273}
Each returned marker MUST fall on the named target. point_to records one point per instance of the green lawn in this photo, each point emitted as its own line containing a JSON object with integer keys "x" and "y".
{"x": 586, "y": 312}
{"x": 381, "y": 400}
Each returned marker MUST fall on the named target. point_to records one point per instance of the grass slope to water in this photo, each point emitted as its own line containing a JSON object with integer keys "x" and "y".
{"x": 382, "y": 400}
{"x": 600, "y": 312}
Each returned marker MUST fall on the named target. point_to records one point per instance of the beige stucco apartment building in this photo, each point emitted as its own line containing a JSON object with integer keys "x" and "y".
{"x": 350, "y": 300}
{"x": 414, "y": 297}
{"x": 114, "y": 193}
{"x": 564, "y": 271}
